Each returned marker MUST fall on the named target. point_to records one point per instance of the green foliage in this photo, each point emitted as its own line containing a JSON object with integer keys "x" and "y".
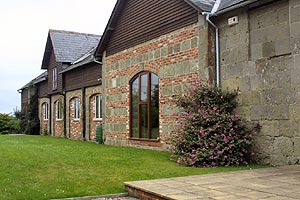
{"x": 99, "y": 134}
{"x": 9, "y": 124}
{"x": 210, "y": 132}
{"x": 29, "y": 121}
{"x": 33, "y": 123}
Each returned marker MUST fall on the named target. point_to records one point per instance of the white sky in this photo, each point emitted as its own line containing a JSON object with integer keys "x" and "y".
{"x": 24, "y": 27}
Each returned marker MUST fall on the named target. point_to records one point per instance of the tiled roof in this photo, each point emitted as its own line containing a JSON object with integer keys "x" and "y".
{"x": 70, "y": 46}
{"x": 85, "y": 59}
{"x": 38, "y": 79}
{"x": 204, "y": 5}
{"x": 228, "y": 3}
{"x": 208, "y": 5}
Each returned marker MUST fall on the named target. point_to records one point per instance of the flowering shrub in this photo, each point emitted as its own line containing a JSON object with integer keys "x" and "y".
{"x": 210, "y": 132}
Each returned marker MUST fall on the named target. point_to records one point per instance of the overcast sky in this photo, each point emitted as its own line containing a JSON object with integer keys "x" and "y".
{"x": 23, "y": 35}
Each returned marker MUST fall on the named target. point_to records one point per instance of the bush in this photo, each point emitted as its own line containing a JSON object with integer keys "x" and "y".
{"x": 9, "y": 124}
{"x": 210, "y": 133}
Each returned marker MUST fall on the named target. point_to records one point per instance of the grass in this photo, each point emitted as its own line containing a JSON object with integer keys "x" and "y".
{"x": 39, "y": 167}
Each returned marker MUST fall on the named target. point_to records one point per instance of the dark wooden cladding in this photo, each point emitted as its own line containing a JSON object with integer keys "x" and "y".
{"x": 24, "y": 100}
{"x": 143, "y": 20}
{"x": 42, "y": 89}
{"x": 53, "y": 64}
{"x": 84, "y": 76}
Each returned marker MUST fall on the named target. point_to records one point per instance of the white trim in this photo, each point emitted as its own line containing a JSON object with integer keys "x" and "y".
{"x": 216, "y": 6}
{"x": 76, "y": 107}
{"x": 45, "y": 108}
{"x": 98, "y": 104}
{"x": 58, "y": 111}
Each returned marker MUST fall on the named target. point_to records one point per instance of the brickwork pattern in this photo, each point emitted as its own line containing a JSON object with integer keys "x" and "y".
{"x": 91, "y": 122}
{"x": 173, "y": 57}
{"x": 74, "y": 126}
{"x": 57, "y": 124}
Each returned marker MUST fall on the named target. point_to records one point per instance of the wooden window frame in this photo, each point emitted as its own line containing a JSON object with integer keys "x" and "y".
{"x": 140, "y": 103}
{"x": 98, "y": 107}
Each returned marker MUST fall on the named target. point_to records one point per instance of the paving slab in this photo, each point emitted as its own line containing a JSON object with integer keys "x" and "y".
{"x": 266, "y": 184}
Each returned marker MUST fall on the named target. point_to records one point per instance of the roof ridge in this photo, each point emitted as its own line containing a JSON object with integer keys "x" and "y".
{"x": 73, "y": 32}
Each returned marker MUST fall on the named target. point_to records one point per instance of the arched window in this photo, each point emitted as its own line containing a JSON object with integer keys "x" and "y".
{"x": 144, "y": 109}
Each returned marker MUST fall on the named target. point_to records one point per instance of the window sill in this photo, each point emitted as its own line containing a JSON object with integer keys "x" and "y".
{"x": 97, "y": 119}
{"x": 76, "y": 120}
{"x": 145, "y": 139}
{"x": 58, "y": 120}
{"x": 45, "y": 119}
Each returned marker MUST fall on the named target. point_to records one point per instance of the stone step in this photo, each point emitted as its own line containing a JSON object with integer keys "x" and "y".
{"x": 134, "y": 190}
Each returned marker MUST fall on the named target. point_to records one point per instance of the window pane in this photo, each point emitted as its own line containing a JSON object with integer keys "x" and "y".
{"x": 135, "y": 110}
{"x": 76, "y": 108}
{"x": 154, "y": 107}
{"x": 144, "y": 87}
{"x": 144, "y": 121}
{"x": 96, "y": 106}
{"x": 46, "y": 111}
{"x": 100, "y": 106}
{"x": 58, "y": 110}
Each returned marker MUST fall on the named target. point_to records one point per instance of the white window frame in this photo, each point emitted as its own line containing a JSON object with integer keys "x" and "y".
{"x": 98, "y": 107}
{"x": 76, "y": 104}
{"x": 58, "y": 111}
{"x": 46, "y": 111}
{"x": 54, "y": 80}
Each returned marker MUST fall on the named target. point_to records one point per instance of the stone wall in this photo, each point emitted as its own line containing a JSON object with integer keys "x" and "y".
{"x": 74, "y": 128}
{"x": 260, "y": 57}
{"x": 174, "y": 58}
{"x": 44, "y": 124}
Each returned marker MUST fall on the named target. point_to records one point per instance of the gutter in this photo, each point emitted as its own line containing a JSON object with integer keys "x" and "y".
{"x": 96, "y": 61}
{"x": 236, "y": 6}
{"x": 208, "y": 15}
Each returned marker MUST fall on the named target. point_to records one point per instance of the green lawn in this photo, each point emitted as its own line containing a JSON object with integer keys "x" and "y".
{"x": 39, "y": 167}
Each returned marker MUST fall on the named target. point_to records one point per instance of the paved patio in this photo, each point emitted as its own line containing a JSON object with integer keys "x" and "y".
{"x": 281, "y": 183}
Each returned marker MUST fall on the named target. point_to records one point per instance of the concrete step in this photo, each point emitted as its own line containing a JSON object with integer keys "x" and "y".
{"x": 140, "y": 191}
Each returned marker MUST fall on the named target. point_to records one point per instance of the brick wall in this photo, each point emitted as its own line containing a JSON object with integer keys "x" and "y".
{"x": 174, "y": 57}
{"x": 74, "y": 128}
{"x": 260, "y": 57}
{"x": 91, "y": 121}
{"x": 57, "y": 125}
